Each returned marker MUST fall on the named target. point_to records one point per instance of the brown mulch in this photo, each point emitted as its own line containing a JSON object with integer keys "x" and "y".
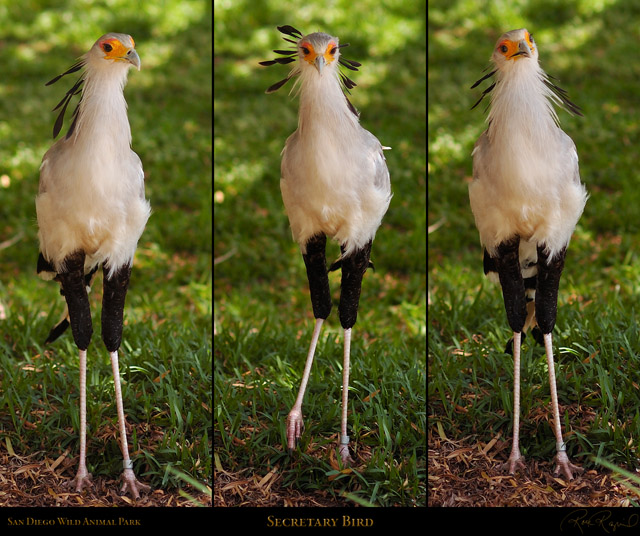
{"x": 37, "y": 480}
{"x": 251, "y": 487}
{"x": 246, "y": 488}
{"x": 466, "y": 473}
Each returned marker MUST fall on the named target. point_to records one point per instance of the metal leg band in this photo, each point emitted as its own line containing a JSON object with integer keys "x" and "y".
{"x": 344, "y": 440}
{"x": 127, "y": 464}
{"x": 561, "y": 447}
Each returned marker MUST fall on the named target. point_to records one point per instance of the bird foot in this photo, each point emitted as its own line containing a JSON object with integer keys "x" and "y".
{"x": 563, "y": 463}
{"x": 82, "y": 479}
{"x": 132, "y": 485}
{"x": 343, "y": 450}
{"x": 295, "y": 425}
{"x": 515, "y": 461}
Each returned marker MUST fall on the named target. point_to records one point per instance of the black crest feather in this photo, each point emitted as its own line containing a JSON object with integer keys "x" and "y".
{"x": 561, "y": 94}
{"x": 75, "y": 90}
{"x": 291, "y": 56}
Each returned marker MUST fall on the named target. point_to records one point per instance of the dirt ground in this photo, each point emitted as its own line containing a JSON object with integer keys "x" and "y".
{"x": 32, "y": 482}
{"x": 240, "y": 489}
{"x": 467, "y": 473}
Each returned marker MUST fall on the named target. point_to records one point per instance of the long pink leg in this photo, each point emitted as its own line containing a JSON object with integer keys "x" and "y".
{"x": 128, "y": 476}
{"x": 83, "y": 477}
{"x": 295, "y": 423}
{"x": 562, "y": 460}
{"x": 515, "y": 459}
{"x": 344, "y": 438}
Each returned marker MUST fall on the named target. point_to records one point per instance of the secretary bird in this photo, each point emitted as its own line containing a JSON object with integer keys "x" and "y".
{"x": 334, "y": 182}
{"x": 526, "y": 197}
{"x": 91, "y": 212}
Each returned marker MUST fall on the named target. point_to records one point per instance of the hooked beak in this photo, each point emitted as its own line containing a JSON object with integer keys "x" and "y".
{"x": 523, "y": 50}
{"x": 319, "y": 64}
{"x": 133, "y": 58}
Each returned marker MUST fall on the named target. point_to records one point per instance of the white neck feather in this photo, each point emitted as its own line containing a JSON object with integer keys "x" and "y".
{"x": 521, "y": 106}
{"x": 323, "y": 105}
{"x": 103, "y": 109}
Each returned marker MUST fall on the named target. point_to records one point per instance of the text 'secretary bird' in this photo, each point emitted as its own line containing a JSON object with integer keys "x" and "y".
{"x": 526, "y": 197}
{"x": 91, "y": 212}
{"x": 335, "y": 182}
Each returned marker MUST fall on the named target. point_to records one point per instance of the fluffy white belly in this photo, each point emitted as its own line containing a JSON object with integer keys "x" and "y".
{"x": 108, "y": 233}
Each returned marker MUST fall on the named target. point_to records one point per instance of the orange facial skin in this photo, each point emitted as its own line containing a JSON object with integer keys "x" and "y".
{"x": 510, "y": 49}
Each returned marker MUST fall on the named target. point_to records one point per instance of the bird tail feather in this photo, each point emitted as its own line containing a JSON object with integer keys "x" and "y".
{"x": 59, "y": 328}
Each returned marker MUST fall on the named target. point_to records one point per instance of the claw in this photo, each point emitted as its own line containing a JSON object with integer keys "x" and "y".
{"x": 82, "y": 479}
{"x": 132, "y": 485}
{"x": 343, "y": 450}
{"x": 515, "y": 461}
{"x": 563, "y": 464}
{"x": 295, "y": 425}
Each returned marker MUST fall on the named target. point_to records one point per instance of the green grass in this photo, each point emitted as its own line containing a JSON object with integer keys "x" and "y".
{"x": 166, "y": 353}
{"x": 596, "y": 338}
{"x": 263, "y": 318}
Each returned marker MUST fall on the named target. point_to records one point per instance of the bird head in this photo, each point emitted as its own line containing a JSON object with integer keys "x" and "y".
{"x": 516, "y": 50}
{"x": 513, "y": 47}
{"x": 318, "y": 50}
{"x": 111, "y": 49}
{"x": 114, "y": 48}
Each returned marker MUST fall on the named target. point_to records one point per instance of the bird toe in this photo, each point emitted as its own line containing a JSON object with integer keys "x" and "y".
{"x": 295, "y": 425}
{"x": 345, "y": 455}
{"x": 79, "y": 481}
{"x": 515, "y": 461}
{"x": 563, "y": 464}
{"x": 132, "y": 485}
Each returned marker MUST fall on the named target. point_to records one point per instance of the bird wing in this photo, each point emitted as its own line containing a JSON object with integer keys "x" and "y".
{"x": 137, "y": 163}
{"x": 479, "y": 149}
{"x": 573, "y": 170}
{"x": 381, "y": 178}
{"x": 47, "y": 178}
